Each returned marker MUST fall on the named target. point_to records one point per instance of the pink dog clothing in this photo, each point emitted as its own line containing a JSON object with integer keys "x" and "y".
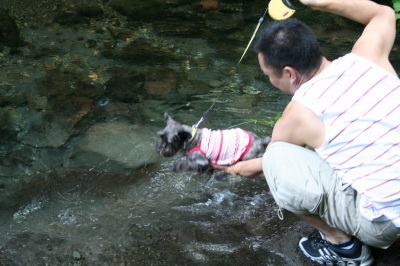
{"x": 224, "y": 147}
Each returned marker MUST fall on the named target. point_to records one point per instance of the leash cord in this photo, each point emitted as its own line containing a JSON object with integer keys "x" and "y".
{"x": 254, "y": 34}
{"x": 203, "y": 117}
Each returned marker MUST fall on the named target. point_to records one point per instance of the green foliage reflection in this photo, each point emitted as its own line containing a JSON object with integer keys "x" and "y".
{"x": 396, "y": 6}
{"x": 269, "y": 121}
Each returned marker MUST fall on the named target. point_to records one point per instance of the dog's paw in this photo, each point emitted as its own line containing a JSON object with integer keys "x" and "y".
{"x": 195, "y": 161}
{"x": 180, "y": 165}
{"x": 184, "y": 166}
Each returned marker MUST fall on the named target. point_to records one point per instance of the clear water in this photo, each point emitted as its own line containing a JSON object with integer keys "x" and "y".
{"x": 102, "y": 213}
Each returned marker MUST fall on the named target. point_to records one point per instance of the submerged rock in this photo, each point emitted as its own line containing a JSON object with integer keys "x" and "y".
{"x": 139, "y": 9}
{"x": 89, "y": 11}
{"x": 115, "y": 146}
{"x": 70, "y": 18}
{"x": 64, "y": 82}
{"x": 142, "y": 51}
{"x": 125, "y": 88}
{"x": 51, "y": 127}
{"x": 9, "y": 32}
{"x": 161, "y": 81}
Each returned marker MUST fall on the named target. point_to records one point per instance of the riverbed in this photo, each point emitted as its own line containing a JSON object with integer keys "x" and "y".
{"x": 83, "y": 89}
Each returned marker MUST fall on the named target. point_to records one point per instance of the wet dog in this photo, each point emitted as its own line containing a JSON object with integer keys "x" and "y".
{"x": 203, "y": 146}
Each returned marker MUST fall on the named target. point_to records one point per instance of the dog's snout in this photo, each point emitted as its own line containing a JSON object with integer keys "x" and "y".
{"x": 164, "y": 149}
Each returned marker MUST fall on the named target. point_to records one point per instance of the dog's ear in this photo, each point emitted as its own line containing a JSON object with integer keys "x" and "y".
{"x": 168, "y": 118}
{"x": 161, "y": 133}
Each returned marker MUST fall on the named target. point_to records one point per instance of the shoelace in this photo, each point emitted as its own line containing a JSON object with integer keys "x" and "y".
{"x": 319, "y": 242}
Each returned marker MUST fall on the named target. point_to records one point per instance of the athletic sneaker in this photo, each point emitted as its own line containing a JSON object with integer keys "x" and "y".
{"x": 321, "y": 251}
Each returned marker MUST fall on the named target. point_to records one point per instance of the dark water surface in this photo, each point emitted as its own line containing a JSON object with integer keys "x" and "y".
{"x": 83, "y": 88}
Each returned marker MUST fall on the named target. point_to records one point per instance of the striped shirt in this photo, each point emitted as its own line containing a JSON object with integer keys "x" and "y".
{"x": 359, "y": 103}
{"x": 224, "y": 147}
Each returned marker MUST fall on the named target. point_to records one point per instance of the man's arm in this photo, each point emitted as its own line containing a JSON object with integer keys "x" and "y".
{"x": 298, "y": 125}
{"x": 379, "y": 34}
{"x": 247, "y": 168}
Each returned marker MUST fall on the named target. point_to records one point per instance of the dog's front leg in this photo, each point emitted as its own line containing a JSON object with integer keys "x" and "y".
{"x": 195, "y": 161}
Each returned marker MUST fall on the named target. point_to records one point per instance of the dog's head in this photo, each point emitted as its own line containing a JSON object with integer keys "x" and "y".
{"x": 173, "y": 137}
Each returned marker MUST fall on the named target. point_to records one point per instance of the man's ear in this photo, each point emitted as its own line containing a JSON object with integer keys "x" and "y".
{"x": 289, "y": 72}
{"x": 293, "y": 75}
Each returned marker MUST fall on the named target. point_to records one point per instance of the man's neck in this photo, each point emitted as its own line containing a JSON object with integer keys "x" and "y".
{"x": 324, "y": 64}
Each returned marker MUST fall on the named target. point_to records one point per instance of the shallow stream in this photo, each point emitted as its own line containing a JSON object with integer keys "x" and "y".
{"x": 81, "y": 101}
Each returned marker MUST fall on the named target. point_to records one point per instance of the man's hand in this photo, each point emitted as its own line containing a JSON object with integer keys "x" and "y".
{"x": 248, "y": 168}
{"x": 229, "y": 169}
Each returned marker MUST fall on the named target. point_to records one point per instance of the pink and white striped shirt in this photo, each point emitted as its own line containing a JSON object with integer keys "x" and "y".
{"x": 359, "y": 103}
{"x": 224, "y": 147}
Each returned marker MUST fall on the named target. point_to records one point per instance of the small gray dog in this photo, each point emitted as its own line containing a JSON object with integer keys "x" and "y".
{"x": 202, "y": 146}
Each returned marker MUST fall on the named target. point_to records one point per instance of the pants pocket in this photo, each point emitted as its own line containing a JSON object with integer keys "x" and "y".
{"x": 292, "y": 179}
{"x": 298, "y": 198}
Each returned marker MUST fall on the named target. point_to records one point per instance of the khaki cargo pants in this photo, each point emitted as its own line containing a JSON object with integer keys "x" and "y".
{"x": 301, "y": 182}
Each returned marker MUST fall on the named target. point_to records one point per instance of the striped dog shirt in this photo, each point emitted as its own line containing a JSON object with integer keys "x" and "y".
{"x": 224, "y": 147}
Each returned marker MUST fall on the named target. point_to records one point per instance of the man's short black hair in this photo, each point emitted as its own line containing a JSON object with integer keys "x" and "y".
{"x": 289, "y": 43}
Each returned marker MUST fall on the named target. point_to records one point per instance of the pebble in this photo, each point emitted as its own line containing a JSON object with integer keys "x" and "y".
{"x": 77, "y": 255}
{"x": 215, "y": 83}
